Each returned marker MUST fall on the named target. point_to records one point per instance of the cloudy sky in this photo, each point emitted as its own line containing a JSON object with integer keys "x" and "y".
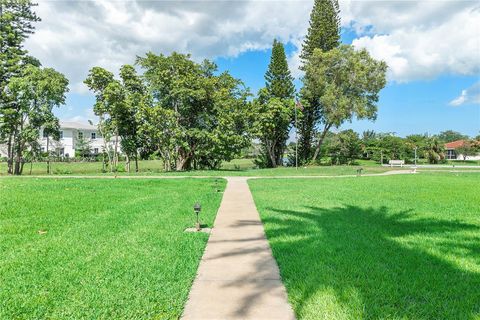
{"x": 432, "y": 48}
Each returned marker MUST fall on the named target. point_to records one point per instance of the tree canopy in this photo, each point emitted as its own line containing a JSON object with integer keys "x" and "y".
{"x": 346, "y": 84}
{"x": 208, "y": 116}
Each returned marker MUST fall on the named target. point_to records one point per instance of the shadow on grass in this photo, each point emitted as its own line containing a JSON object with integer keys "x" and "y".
{"x": 373, "y": 263}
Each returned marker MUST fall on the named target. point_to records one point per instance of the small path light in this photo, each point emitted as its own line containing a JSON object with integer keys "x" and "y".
{"x": 359, "y": 171}
{"x": 197, "y": 208}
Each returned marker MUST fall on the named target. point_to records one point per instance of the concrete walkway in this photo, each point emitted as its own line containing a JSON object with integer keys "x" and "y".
{"x": 238, "y": 277}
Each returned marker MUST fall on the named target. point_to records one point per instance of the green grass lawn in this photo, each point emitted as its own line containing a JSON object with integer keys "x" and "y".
{"x": 86, "y": 167}
{"x": 237, "y": 167}
{"x": 396, "y": 247}
{"x": 100, "y": 249}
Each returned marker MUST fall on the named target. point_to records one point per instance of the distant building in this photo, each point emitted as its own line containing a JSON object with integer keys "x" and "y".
{"x": 70, "y": 134}
{"x": 453, "y": 154}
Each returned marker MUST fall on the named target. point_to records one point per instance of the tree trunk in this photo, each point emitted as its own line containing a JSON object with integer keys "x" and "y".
{"x": 103, "y": 162}
{"x": 270, "y": 148}
{"x": 306, "y": 130}
{"x": 136, "y": 163}
{"x": 320, "y": 141}
{"x": 10, "y": 155}
{"x": 273, "y": 158}
{"x": 18, "y": 159}
{"x": 183, "y": 163}
{"x": 48, "y": 156}
{"x": 115, "y": 151}
{"x": 21, "y": 166}
{"x": 127, "y": 163}
{"x": 18, "y": 156}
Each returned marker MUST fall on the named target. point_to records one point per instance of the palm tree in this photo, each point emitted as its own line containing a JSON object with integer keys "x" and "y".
{"x": 434, "y": 151}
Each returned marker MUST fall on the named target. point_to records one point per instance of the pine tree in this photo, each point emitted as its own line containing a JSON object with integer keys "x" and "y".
{"x": 279, "y": 81}
{"x": 323, "y": 33}
{"x": 324, "y": 30}
{"x": 275, "y": 107}
{"x": 16, "y": 24}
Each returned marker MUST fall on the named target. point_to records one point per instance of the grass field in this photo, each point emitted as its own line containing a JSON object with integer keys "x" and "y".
{"x": 237, "y": 167}
{"x": 85, "y": 167}
{"x": 396, "y": 247}
{"x": 100, "y": 249}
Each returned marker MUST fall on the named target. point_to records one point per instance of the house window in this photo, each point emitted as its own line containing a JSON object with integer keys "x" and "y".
{"x": 80, "y": 135}
{"x": 61, "y": 134}
{"x": 95, "y": 150}
{"x": 451, "y": 155}
{"x": 45, "y": 133}
{"x": 94, "y": 135}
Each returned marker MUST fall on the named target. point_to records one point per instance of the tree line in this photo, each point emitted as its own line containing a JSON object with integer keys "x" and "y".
{"x": 347, "y": 146}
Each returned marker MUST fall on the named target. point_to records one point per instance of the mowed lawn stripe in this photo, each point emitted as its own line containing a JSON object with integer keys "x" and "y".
{"x": 396, "y": 247}
{"x": 100, "y": 248}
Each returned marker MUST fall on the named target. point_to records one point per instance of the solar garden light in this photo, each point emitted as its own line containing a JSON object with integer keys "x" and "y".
{"x": 197, "y": 208}
{"x": 359, "y": 171}
{"x": 217, "y": 188}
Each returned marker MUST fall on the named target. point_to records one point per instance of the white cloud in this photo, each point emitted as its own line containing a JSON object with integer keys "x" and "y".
{"x": 438, "y": 43}
{"x": 470, "y": 95}
{"x": 77, "y": 35}
{"x": 418, "y": 39}
{"x": 75, "y": 114}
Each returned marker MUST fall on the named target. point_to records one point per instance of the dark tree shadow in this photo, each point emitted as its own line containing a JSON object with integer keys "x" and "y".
{"x": 377, "y": 261}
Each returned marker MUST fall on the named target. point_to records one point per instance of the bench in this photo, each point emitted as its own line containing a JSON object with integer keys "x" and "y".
{"x": 396, "y": 163}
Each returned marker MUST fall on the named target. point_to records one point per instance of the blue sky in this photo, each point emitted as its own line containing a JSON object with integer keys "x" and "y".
{"x": 421, "y": 106}
{"x": 434, "y": 74}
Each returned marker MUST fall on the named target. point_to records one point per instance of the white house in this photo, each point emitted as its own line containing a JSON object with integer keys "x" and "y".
{"x": 70, "y": 133}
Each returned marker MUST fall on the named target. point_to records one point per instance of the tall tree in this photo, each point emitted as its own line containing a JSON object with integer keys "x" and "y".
{"x": 35, "y": 92}
{"x": 135, "y": 96}
{"x": 118, "y": 102}
{"x": 104, "y": 86}
{"x": 210, "y": 112}
{"x": 274, "y": 107}
{"x": 278, "y": 79}
{"x": 346, "y": 84}
{"x": 17, "y": 20}
{"x": 324, "y": 34}
{"x": 272, "y": 122}
{"x": 51, "y": 128}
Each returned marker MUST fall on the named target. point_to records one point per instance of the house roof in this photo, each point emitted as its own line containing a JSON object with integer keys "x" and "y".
{"x": 454, "y": 144}
{"x": 76, "y": 125}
